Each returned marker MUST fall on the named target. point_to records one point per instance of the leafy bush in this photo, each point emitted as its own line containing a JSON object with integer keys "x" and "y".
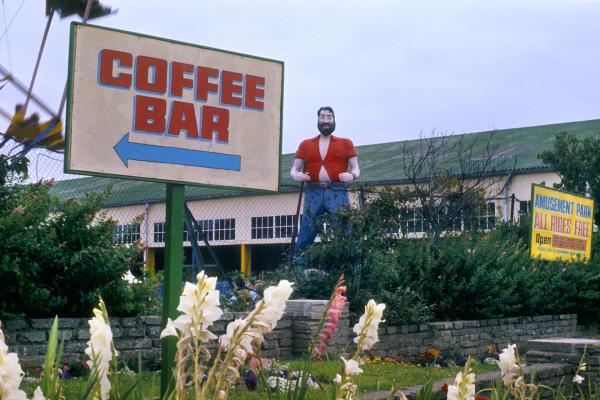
{"x": 468, "y": 275}
{"x": 58, "y": 257}
{"x": 478, "y": 276}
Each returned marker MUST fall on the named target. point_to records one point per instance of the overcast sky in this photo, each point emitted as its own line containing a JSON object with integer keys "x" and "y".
{"x": 390, "y": 69}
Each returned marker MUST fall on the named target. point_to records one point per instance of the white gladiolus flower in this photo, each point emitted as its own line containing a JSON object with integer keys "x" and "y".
{"x": 367, "y": 326}
{"x": 464, "y": 384}
{"x": 241, "y": 333}
{"x": 508, "y": 364}
{"x": 100, "y": 350}
{"x": 11, "y": 373}
{"x": 279, "y": 293}
{"x": 232, "y": 328}
{"x": 463, "y": 388}
{"x": 337, "y": 379}
{"x": 578, "y": 379}
{"x": 349, "y": 390}
{"x": 275, "y": 298}
{"x": 452, "y": 393}
{"x": 271, "y": 310}
{"x": 169, "y": 329}
{"x": 351, "y": 367}
{"x": 206, "y": 336}
{"x": 38, "y": 394}
{"x": 199, "y": 304}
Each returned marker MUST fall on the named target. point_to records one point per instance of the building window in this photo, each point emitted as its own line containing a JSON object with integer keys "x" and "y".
{"x": 205, "y": 224}
{"x": 411, "y": 222}
{"x": 159, "y": 232}
{"x": 524, "y": 208}
{"x": 484, "y": 218}
{"x": 284, "y": 226}
{"x": 262, "y": 227}
{"x": 207, "y": 228}
{"x": 269, "y": 227}
{"x": 225, "y": 229}
{"x": 126, "y": 234}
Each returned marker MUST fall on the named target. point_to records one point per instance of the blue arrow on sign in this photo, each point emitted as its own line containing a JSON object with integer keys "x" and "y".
{"x": 127, "y": 150}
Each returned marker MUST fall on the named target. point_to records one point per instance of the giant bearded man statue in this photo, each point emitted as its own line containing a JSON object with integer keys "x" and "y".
{"x": 325, "y": 158}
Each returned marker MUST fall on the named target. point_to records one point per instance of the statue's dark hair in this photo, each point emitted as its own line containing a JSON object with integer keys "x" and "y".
{"x": 325, "y": 108}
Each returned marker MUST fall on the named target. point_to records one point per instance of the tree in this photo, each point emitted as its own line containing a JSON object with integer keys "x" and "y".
{"x": 58, "y": 257}
{"x": 577, "y": 163}
{"x": 449, "y": 178}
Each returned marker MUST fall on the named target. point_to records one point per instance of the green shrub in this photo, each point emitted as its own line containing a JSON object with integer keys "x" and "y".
{"x": 469, "y": 275}
{"x": 58, "y": 257}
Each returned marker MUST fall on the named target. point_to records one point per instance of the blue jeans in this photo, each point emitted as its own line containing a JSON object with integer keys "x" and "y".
{"x": 318, "y": 201}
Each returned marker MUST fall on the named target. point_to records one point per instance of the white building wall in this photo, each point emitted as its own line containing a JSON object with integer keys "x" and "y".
{"x": 244, "y": 208}
{"x": 521, "y": 184}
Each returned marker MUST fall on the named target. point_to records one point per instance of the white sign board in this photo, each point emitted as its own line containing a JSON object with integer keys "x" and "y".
{"x": 151, "y": 108}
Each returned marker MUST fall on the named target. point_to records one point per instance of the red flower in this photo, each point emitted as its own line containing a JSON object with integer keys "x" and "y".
{"x": 481, "y": 398}
{"x": 399, "y": 358}
{"x": 445, "y": 388}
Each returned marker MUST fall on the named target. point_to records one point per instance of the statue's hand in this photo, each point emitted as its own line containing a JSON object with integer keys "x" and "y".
{"x": 346, "y": 177}
{"x": 300, "y": 176}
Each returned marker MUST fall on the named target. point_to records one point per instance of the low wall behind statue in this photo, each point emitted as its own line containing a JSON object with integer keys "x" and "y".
{"x": 140, "y": 335}
{"x": 472, "y": 337}
{"x": 466, "y": 337}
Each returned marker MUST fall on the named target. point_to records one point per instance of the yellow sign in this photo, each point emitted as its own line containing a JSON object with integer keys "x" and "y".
{"x": 561, "y": 225}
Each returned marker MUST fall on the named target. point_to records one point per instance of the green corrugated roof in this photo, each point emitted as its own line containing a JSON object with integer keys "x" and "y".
{"x": 378, "y": 163}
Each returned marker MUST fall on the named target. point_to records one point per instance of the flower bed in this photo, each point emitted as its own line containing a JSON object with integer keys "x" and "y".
{"x": 200, "y": 374}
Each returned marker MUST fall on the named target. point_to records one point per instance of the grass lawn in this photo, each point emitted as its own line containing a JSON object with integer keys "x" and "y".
{"x": 375, "y": 377}
{"x": 382, "y": 377}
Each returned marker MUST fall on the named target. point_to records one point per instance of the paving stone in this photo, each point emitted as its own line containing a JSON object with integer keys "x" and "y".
{"x": 142, "y": 344}
{"x": 69, "y": 323}
{"x": 129, "y": 322}
{"x": 135, "y": 331}
{"x": 65, "y": 335}
{"x": 9, "y": 326}
{"x": 151, "y": 319}
{"x": 153, "y": 331}
{"x": 84, "y": 334}
{"x": 31, "y": 337}
{"x": 42, "y": 323}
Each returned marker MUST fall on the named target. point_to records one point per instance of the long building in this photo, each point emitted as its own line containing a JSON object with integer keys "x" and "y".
{"x": 252, "y": 231}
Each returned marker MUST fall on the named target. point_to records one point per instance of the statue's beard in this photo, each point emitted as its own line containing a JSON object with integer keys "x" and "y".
{"x": 326, "y": 128}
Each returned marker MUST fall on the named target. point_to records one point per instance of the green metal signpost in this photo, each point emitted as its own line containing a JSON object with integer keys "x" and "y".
{"x": 172, "y": 279}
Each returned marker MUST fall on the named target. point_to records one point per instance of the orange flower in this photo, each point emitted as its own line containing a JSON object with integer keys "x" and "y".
{"x": 433, "y": 352}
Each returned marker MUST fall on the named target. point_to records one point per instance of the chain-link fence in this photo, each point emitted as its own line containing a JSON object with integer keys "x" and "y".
{"x": 235, "y": 230}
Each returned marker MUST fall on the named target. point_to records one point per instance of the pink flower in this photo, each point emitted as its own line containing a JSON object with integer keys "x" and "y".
{"x": 257, "y": 364}
{"x": 332, "y": 320}
{"x": 335, "y": 316}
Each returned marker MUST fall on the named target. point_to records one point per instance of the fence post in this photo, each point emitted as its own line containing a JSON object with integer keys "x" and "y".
{"x": 296, "y": 223}
{"x": 361, "y": 196}
{"x": 512, "y": 208}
